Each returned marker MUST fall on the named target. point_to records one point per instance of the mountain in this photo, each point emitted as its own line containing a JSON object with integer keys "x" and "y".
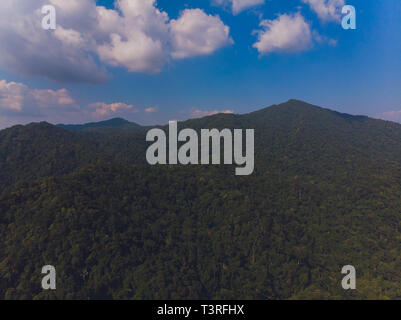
{"x": 115, "y": 123}
{"x": 41, "y": 150}
{"x": 325, "y": 193}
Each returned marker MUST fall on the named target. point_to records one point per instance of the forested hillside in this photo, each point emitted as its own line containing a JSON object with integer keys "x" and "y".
{"x": 325, "y": 193}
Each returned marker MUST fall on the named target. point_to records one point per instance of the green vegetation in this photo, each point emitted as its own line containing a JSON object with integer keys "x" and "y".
{"x": 326, "y": 192}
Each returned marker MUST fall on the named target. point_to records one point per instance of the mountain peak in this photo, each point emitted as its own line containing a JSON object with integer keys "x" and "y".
{"x": 295, "y": 101}
{"x": 298, "y": 103}
{"x": 117, "y": 121}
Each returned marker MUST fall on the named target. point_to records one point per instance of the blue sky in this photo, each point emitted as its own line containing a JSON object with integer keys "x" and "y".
{"x": 354, "y": 71}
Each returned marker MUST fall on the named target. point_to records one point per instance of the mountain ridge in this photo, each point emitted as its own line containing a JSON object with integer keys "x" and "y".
{"x": 121, "y": 123}
{"x": 326, "y": 192}
{"x": 113, "y": 123}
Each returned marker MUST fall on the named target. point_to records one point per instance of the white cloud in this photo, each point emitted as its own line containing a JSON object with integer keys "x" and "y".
{"x": 140, "y": 55}
{"x": 238, "y": 6}
{"x": 288, "y": 33}
{"x": 327, "y": 10}
{"x": 12, "y": 95}
{"x": 136, "y": 35}
{"x": 103, "y": 109}
{"x": 50, "y": 98}
{"x": 203, "y": 113}
{"x": 28, "y": 49}
{"x": 151, "y": 110}
{"x": 17, "y": 99}
{"x": 69, "y": 37}
{"x": 196, "y": 33}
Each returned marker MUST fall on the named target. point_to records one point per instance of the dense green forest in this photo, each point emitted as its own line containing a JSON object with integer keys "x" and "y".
{"x": 326, "y": 192}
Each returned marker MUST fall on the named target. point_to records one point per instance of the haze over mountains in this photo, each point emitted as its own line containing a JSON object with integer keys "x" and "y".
{"x": 325, "y": 193}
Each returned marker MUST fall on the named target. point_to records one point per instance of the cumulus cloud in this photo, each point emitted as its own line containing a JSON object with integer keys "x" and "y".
{"x": 12, "y": 96}
{"x": 136, "y": 35}
{"x": 17, "y": 99}
{"x": 203, "y": 113}
{"x": 196, "y": 33}
{"x": 28, "y": 49}
{"x": 238, "y": 6}
{"x": 327, "y": 10}
{"x": 287, "y": 33}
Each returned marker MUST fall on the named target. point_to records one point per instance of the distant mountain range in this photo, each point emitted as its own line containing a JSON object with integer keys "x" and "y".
{"x": 115, "y": 123}
{"x": 326, "y": 192}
